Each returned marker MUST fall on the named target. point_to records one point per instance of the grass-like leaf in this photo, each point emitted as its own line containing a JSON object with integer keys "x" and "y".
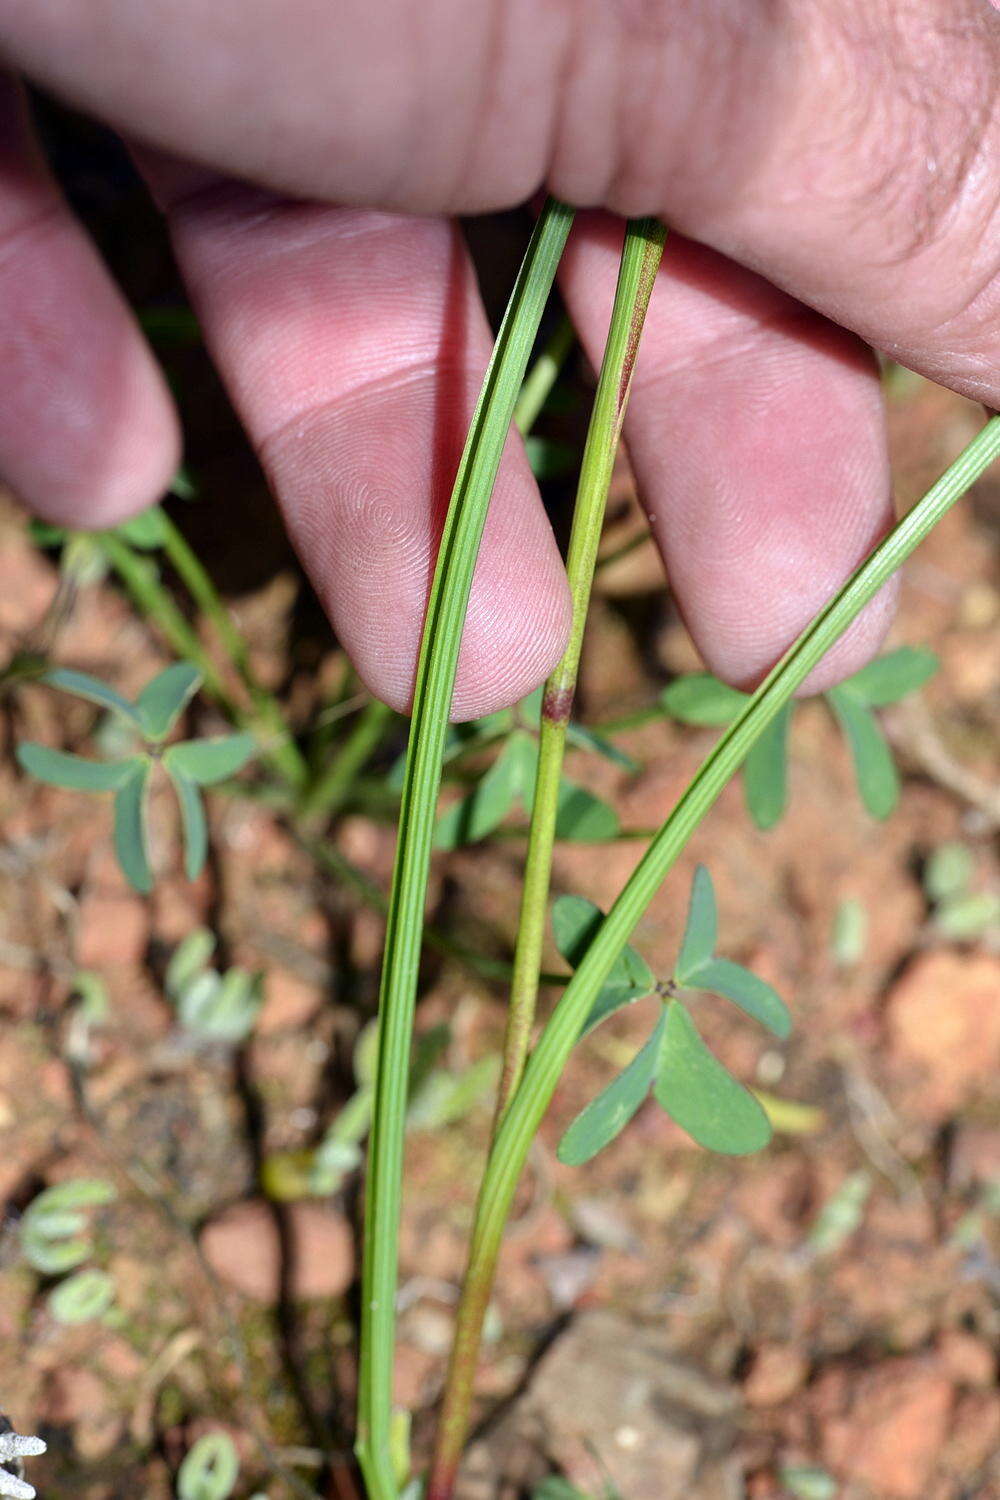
{"x": 575, "y": 924}
{"x": 75, "y": 772}
{"x": 130, "y": 826}
{"x": 889, "y": 678}
{"x": 765, "y": 773}
{"x": 87, "y": 1295}
{"x": 703, "y": 1096}
{"x": 162, "y": 700}
{"x": 206, "y": 762}
{"x": 747, "y": 990}
{"x": 874, "y": 767}
{"x": 699, "y": 698}
{"x": 82, "y": 685}
{"x": 433, "y": 689}
{"x": 192, "y": 822}
{"x": 702, "y": 929}
{"x": 608, "y": 1114}
{"x": 582, "y": 817}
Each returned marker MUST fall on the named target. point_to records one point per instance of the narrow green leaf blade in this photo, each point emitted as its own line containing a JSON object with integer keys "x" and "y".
{"x": 702, "y": 1096}
{"x": 483, "y": 809}
{"x": 575, "y": 924}
{"x": 82, "y": 685}
{"x": 74, "y": 772}
{"x": 874, "y": 767}
{"x": 193, "y": 823}
{"x": 701, "y": 931}
{"x": 206, "y": 762}
{"x": 889, "y": 678}
{"x": 765, "y": 772}
{"x": 130, "y": 827}
{"x": 161, "y": 701}
{"x": 699, "y": 698}
{"x": 608, "y": 1114}
{"x": 752, "y": 994}
{"x": 582, "y": 817}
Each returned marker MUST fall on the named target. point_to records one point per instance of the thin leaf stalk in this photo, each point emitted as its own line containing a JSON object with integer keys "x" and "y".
{"x": 268, "y": 714}
{"x": 433, "y": 689}
{"x": 549, "y": 1058}
{"x": 641, "y": 255}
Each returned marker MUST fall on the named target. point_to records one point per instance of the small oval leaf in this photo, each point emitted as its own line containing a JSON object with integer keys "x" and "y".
{"x": 206, "y": 762}
{"x": 485, "y": 807}
{"x": 702, "y": 1096}
{"x": 94, "y": 690}
{"x": 188, "y": 959}
{"x": 130, "y": 827}
{"x": 74, "y": 772}
{"x": 193, "y": 823}
{"x": 702, "y": 929}
{"x": 752, "y": 994}
{"x": 161, "y": 701}
{"x": 889, "y": 678}
{"x": 874, "y": 767}
{"x": 89, "y": 1294}
{"x": 699, "y": 698}
{"x": 210, "y": 1469}
{"x": 575, "y": 923}
{"x": 765, "y": 772}
{"x": 581, "y": 817}
{"x": 608, "y": 1114}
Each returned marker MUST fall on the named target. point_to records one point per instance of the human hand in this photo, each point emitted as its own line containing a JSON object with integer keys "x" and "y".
{"x": 847, "y": 152}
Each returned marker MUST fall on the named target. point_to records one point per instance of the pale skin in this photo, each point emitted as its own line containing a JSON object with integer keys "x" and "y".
{"x": 832, "y": 170}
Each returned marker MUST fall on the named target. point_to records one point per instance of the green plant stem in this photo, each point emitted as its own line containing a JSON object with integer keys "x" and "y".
{"x": 139, "y": 576}
{"x": 330, "y": 788}
{"x": 268, "y": 713}
{"x": 641, "y": 254}
{"x": 542, "y": 376}
{"x": 435, "y": 681}
{"x": 549, "y": 1058}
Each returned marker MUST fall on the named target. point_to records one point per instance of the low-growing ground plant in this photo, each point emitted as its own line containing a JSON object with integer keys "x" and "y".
{"x": 56, "y": 1241}
{"x": 506, "y": 780}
